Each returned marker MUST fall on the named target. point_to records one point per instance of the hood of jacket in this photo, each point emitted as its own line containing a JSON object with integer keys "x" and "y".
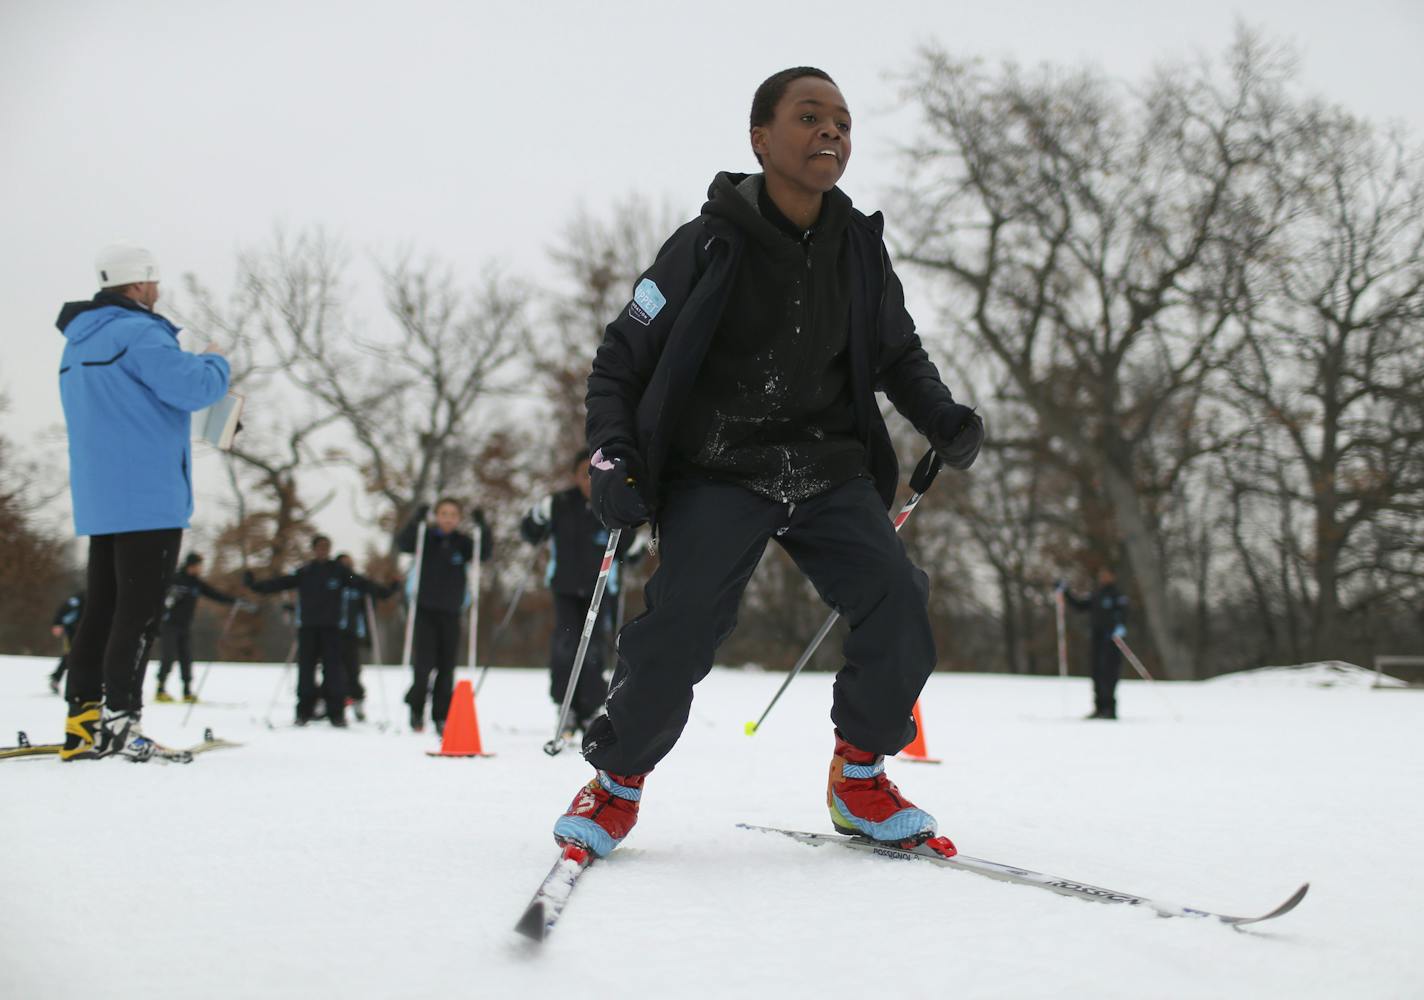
{"x": 733, "y": 198}
{"x": 104, "y": 300}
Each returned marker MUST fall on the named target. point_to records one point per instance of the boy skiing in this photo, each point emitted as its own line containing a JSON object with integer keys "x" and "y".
{"x": 354, "y": 631}
{"x": 64, "y": 623}
{"x": 319, "y": 585}
{"x": 1107, "y": 615}
{"x": 576, "y": 544}
{"x": 440, "y": 595}
{"x": 175, "y": 633}
{"x": 733, "y": 402}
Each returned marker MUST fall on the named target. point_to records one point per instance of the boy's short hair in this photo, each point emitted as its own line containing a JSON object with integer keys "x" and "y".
{"x": 318, "y": 539}
{"x": 452, "y": 501}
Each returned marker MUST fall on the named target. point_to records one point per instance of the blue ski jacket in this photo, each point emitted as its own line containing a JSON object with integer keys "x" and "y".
{"x": 128, "y": 391}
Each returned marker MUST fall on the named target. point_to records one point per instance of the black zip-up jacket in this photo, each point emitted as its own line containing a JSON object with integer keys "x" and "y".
{"x": 319, "y": 586}
{"x": 1106, "y": 607}
{"x": 67, "y": 615}
{"x": 648, "y": 363}
{"x": 577, "y": 541}
{"x": 771, "y": 406}
{"x": 443, "y": 563}
{"x": 181, "y": 601}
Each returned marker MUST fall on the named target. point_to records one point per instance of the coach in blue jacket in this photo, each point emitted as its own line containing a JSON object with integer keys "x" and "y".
{"x": 128, "y": 391}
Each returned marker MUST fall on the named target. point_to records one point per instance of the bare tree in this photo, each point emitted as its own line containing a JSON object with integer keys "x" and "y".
{"x": 1096, "y": 241}
{"x": 1329, "y": 381}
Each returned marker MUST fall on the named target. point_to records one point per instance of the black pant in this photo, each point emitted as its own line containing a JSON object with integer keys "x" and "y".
{"x": 437, "y": 642}
{"x": 711, "y": 537}
{"x": 175, "y": 643}
{"x": 320, "y": 642}
{"x": 1107, "y": 664}
{"x": 127, "y": 577}
{"x": 570, "y": 611}
{"x": 351, "y": 657}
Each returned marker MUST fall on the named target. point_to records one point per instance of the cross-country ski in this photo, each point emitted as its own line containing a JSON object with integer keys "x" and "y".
{"x": 1023, "y": 876}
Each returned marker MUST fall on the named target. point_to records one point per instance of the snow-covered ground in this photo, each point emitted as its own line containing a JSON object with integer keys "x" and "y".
{"x": 320, "y": 863}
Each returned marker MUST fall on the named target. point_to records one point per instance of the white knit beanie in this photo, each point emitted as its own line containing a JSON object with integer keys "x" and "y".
{"x": 125, "y": 264}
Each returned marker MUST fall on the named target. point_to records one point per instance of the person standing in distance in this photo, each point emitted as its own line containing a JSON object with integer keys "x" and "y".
{"x": 733, "y": 402}
{"x": 440, "y": 595}
{"x": 175, "y": 634}
{"x": 65, "y": 622}
{"x": 354, "y": 632}
{"x": 577, "y": 540}
{"x": 128, "y": 391}
{"x": 1107, "y": 617}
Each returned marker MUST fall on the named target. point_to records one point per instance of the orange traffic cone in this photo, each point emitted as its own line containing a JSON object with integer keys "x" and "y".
{"x": 916, "y": 751}
{"x": 462, "y": 727}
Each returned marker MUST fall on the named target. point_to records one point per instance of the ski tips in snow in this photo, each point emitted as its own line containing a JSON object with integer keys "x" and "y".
{"x": 533, "y": 925}
{"x": 543, "y": 910}
{"x": 1025, "y": 876}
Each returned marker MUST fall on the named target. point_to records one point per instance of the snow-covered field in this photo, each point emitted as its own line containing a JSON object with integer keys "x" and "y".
{"x": 320, "y": 863}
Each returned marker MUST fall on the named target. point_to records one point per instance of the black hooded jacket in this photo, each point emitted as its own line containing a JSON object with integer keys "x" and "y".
{"x": 646, "y": 372}
{"x": 771, "y": 406}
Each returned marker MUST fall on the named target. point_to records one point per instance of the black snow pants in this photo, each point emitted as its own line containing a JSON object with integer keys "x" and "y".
{"x": 351, "y": 657}
{"x": 570, "y": 611}
{"x": 437, "y": 642}
{"x": 320, "y": 642}
{"x": 127, "y": 578}
{"x": 1107, "y": 665}
{"x": 711, "y": 537}
{"x": 175, "y": 643}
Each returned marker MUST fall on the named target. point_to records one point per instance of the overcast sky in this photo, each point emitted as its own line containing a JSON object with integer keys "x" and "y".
{"x": 472, "y": 129}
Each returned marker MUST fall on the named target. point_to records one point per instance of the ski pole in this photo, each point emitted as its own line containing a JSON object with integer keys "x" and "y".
{"x": 204, "y": 679}
{"x": 415, "y": 596}
{"x": 503, "y": 624}
{"x": 281, "y": 681}
{"x": 556, "y": 745}
{"x": 1060, "y": 603}
{"x": 1121, "y": 644}
{"x": 475, "y": 595}
{"x": 920, "y": 480}
{"x": 380, "y": 660}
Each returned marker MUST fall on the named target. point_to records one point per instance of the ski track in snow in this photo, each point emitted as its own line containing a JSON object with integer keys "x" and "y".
{"x": 319, "y": 863}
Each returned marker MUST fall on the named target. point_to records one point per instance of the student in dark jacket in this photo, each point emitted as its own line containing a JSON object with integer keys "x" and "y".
{"x": 577, "y": 541}
{"x": 66, "y": 620}
{"x": 175, "y": 635}
{"x": 733, "y": 402}
{"x": 354, "y": 630}
{"x": 1107, "y": 617}
{"x": 319, "y": 585}
{"x": 440, "y": 596}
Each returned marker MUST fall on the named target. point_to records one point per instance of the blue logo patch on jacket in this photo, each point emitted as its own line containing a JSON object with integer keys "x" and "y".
{"x": 648, "y": 301}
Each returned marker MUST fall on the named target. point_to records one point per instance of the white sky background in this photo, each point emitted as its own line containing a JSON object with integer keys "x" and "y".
{"x": 472, "y": 130}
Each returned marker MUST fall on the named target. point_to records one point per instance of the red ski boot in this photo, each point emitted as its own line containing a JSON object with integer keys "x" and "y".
{"x": 602, "y": 812}
{"x": 865, "y": 803}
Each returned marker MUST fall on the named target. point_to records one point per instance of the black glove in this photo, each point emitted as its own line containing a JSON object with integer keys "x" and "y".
{"x": 615, "y": 492}
{"x": 421, "y": 513}
{"x": 478, "y": 516}
{"x": 957, "y": 436}
{"x": 248, "y": 579}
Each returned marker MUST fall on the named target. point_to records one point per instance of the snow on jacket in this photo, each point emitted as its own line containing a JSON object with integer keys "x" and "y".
{"x": 645, "y": 369}
{"x": 128, "y": 391}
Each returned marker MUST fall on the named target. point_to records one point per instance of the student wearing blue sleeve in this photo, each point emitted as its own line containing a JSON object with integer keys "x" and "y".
{"x": 128, "y": 391}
